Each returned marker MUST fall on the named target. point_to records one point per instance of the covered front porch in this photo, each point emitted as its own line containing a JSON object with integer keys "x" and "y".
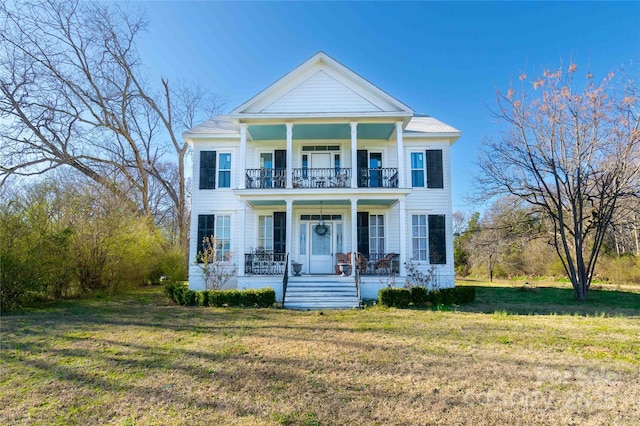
{"x": 365, "y": 235}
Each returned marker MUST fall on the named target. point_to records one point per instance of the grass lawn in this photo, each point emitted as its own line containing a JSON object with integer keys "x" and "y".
{"x": 511, "y": 357}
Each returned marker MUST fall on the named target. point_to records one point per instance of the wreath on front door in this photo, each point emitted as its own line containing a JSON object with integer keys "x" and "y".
{"x": 321, "y": 229}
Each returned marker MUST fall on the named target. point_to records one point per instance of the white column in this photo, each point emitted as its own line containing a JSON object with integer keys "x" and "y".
{"x": 289, "y": 155}
{"x": 354, "y": 235}
{"x": 243, "y": 225}
{"x": 354, "y": 155}
{"x": 403, "y": 236}
{"x": 243, "y": 156}
{"x": 400, "y": 146}
{"x": 289, "y": 236}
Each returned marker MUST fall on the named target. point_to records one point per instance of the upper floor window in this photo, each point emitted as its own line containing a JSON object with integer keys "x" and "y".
{"x": 224, "y": 171}
{"x": 417, "y": 169}
{"x": 430, "y": 162}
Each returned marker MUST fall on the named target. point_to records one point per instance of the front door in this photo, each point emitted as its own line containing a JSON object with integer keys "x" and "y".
{"x": 321, "y": 165}
{"x": 321, "y": 250}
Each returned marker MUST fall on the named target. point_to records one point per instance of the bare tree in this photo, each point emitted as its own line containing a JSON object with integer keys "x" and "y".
{"x": 573, "y": 153}
{"x": 75, "y": 94}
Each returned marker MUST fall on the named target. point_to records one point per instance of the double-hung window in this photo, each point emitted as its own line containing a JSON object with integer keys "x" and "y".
{"x": 376, "y": 234}
{"x": 417, "y": 169}
{"x": 214, "y": 228}
{"x": 419, "y": 238}
{"x": 223, "y": 237}
{"x": 428, "y": 238}
{"x": 265, "y": 232}
{"x": 427, "y": 164}
{"x": 224, "y": 170}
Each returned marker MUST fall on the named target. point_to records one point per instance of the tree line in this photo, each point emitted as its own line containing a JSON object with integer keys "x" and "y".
{"x": 91, "y": 152}
{"x": 512, "y": 240}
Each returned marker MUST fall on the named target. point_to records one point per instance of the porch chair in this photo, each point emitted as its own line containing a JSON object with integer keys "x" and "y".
{"x": 362, "y": 262}
{"x": 385, "y": 263}
{"x": 341, "y": 258}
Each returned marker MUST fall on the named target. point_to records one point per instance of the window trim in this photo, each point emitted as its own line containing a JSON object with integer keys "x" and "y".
{"x": 258, "y": 231}
{"x": 220, "y": 169}
{"x": 423, "y": 169}
{"x": 426, "y": 237}
{"x": 384, "y": 232}
{"x": 221, "y": 250}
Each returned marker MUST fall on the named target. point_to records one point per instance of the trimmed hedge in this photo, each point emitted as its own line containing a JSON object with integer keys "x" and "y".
{"x": 394, "y": 297}
{"x": 180, "y": 294}
{"x": 421, "y": 297}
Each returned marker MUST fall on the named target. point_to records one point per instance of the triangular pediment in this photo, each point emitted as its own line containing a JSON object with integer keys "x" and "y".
{"x": 321, "y": 93}
{"x": 324, "y": 86}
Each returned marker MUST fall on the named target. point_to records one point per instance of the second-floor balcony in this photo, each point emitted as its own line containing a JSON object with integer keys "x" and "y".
{"x": 332, "y": 177}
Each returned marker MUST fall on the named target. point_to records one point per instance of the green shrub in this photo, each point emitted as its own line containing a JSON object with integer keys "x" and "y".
{"x": 179, "y": 293}
{"x": 190, "y": 297}
{"x": 419, "y": 296}
{"x": 394, "y": 297}
{"x": 173, "y": 290}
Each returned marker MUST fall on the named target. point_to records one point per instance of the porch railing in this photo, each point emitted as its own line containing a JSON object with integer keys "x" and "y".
{"x": 264, "y": 262}
{"x": 331, "y": 177}
{"x": 380, "y": 263}
{"x": 285, "y": 278}
{"x": 266, "y": 178}
{"x": 378, "y": 178}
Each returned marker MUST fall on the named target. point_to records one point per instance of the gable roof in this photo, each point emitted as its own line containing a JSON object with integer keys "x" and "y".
{"x": 321, "y": 86}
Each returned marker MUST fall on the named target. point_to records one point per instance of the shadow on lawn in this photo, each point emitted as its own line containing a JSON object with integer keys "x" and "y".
{"x": 553, "y": 300}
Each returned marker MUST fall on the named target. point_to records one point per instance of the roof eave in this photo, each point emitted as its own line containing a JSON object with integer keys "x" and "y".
{"x": 452, "y": 136}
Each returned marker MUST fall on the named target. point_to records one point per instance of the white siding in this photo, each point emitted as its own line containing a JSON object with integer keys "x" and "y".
{"x": 321, "y": 93}
{"x": 225, "y": 201}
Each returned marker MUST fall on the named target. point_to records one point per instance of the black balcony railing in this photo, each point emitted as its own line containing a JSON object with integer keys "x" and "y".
{"x": 378, "y": 178}
{"x": 266, "y": 178}
{"x": 264, "y": 262}
{"x": 331, "y": 177}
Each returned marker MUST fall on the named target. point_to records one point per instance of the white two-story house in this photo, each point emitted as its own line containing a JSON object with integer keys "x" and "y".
{"x": 323, "y": 168}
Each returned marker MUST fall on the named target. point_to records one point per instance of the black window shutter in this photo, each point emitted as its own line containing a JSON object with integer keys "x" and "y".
{"x": 206, "y": 228}
{"x": 280, "y": 232}
{"x": 207, "y": 170}
{"x": 437, "y": 246}
{"x": 363, "y": 168}
{"x": 434, "y": 168}
{"x": 280, "y": 163}
{"x": 363, "y": 233}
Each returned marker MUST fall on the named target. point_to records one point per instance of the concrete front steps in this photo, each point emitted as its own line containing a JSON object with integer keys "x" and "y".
{"x": 321, "y": 292}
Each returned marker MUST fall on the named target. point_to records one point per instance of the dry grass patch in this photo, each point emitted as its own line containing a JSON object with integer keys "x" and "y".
{"x": 135, "y": 360}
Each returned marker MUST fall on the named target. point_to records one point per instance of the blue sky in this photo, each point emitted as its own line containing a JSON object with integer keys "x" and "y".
{"x": 441, "y": 59}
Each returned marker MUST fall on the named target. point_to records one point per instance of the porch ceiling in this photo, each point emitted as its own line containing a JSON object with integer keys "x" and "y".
{"x": 330, "y": 131}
